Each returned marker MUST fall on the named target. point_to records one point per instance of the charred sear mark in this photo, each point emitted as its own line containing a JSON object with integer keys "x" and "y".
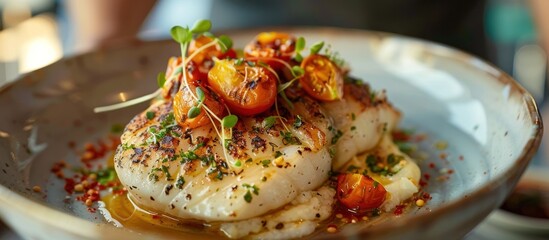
{"x": 237, "y": 144}
{"x": 258, "y": 144}
{"x": 168, "y": 189}
{"x": 361, "y": 93}
{"x": 138, "y": 122}
{"x": 137, "y": 155}
{"x": 190, "y": 167}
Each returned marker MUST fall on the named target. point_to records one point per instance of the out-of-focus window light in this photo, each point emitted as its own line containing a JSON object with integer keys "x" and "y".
{"x": 27, "y": 42}
{"x": 9, "y": 45}
{"x": 15, "y": 12}
{"x": 40, "y": 43}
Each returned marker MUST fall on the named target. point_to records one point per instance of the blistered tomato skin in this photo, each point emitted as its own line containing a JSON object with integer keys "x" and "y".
{"x": 204, "y": 58}
{"x": 246, "y": 89}
{"x": 184, "y": 101}
{"x": 322, "y": 78}
{"x": 271, "y": 45}
{"x": 359, "y": 193}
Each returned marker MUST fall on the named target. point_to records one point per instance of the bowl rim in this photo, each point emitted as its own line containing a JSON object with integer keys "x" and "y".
{"x": 14, "y": 200}
{"x": 518, "y": 222}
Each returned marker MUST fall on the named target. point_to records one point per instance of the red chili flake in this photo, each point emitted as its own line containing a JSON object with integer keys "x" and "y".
{"x": 120, "y": 191}
{"x": 427, "y": 176}
{"x": 426, "y": 196}
{"x": 155, "y": 216}
{"x": 400, "y": 136}
{"x": 92, "y": 210}
{"x": 94, "y": 197}
{"x": 71, "y": 144}
{"x": 89, "y": 147}
{"x": 422, "y": 183}
{"x": 69, "y": 185}
{"x": 450, "y": 171}
{"x": 460, "y": 157}
{"x": 399, "y": 209}
{"x": 420, "y": 137}
{"x": 58, "y": 166}
{"x": 432, "y": 165}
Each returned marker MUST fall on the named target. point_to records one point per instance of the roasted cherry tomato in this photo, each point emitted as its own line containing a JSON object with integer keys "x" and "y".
{"x": 359, "y": 193}
{"x": 204, "y": 58}
{"x": 170, "y": 88}
{"x": 184, "y": 101}
{"x": 271, "y": 45}
{"x": 322, "y": 78}
{"x": 246, "y": 88}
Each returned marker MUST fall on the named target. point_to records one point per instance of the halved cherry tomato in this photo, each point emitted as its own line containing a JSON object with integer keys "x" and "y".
{"x": 271, "y": 45}
{"x": 170, "y": 88}
{"x": 322, "y": 78}
{"x": 184, "y": 101}
{"x": 204, "y": 58}
{"x": 247, "y": 89}
{"x": 359, "y": 193}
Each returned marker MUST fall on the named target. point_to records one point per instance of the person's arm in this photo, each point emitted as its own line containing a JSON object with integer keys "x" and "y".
{"x": 100, "y": 22}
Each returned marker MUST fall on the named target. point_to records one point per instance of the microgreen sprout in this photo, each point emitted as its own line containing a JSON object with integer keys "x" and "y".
{"x": 315, "y": 48}
{"x": 229, "y": 121}
{"x": 150, "y": 115}
{"x": 161, "y": 79}
{"x": 195, "y": 110}
{"x": 226, "y": 43}
{"x": 201, "y": 26}
{"x": 299, "y": 46}
{"x": 269, "y": 122}
{"x": 297, "y": 71}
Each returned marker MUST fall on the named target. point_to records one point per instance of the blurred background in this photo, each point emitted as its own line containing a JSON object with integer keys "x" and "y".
{"x": 35, "y": 33}
{"x": 507, "y": 33}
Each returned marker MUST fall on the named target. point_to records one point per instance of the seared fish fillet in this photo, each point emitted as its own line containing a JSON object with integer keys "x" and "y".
{"x": 361, "y": 119}
{"x": 182, "y": 172}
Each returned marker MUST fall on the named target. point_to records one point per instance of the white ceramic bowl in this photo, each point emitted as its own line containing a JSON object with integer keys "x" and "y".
{"x": 485, "y": 116}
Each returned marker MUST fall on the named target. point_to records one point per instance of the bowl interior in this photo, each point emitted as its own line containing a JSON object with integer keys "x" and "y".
{"x": 491, "y": 124}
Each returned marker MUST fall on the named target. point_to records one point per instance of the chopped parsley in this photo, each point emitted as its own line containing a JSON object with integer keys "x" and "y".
{"x": 153, "y": 177}
{"x": 105, "y": 176}
{"x": 266, "y": 163}
{"x": 180, "y": 182}
{"x": 289, "y": 139}
{"x": 150, "y": 115}
{"x": 248, "y": 196}
{"x": 157, "y": 133}
{"x": 376, "y": 165}
{"x": 166, "y": 173}
{"x": 269, "y": 122}
{"x": 250, "y": 189}
{"x": 336, "y": 137}
{"x": 298, "y": 122}
{"x": 353, "y": 169}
